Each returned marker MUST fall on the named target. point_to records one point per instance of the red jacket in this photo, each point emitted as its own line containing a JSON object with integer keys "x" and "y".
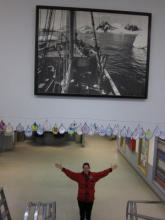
{"x": 86, "y": 183}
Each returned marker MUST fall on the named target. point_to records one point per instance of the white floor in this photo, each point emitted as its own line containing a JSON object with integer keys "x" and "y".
{"x": 27, "y": 173}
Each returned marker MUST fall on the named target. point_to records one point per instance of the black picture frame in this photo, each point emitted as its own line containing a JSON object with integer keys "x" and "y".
{"x": 92, "y": 52}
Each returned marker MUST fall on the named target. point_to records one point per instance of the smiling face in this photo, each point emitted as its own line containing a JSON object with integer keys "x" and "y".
{"x": 86, "y": 169}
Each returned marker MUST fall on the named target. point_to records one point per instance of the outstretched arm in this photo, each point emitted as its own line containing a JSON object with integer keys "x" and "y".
{"x": 104, "y": 173}
{"x": 69, "y": 173}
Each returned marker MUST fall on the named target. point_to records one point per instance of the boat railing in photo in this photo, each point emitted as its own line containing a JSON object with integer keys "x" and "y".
{"x": 69, "y": 64}
{"x": 132, "y": 212}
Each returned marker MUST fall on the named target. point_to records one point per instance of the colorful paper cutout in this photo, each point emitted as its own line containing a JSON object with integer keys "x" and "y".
{"x": 62, "y": 129}
{"x": 28, "y": 132}
{"x": 34, "y": 127}
{"x": 85, "y": 128}
{"x": 55, "y": 129}
{"x": 19, "y": 128}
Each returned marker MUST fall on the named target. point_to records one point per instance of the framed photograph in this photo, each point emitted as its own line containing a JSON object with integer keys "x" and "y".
{"x": 143, "y": 152}
{"x": 91, "y": 52}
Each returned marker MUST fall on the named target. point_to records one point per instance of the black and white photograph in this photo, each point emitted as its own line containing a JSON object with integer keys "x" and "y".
{"x": 91, "y": 52}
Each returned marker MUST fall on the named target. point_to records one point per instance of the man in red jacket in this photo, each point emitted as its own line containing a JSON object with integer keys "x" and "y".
{"x": 86, "y": 181}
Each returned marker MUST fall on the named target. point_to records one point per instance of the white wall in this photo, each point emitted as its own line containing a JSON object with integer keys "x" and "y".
{"x": 17, "y": 47}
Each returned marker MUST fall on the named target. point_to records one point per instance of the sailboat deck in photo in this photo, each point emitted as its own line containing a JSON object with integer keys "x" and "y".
{"x": 66, "y": 63}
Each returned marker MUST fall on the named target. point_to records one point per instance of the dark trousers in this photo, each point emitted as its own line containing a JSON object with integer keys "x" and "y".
{"x": 85, "y": 210}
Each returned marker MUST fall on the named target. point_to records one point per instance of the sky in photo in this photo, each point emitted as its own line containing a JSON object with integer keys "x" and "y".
{"x": 60, "y": 19}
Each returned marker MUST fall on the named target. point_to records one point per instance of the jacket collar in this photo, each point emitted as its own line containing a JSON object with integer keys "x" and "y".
{"x": 86, "y": 176}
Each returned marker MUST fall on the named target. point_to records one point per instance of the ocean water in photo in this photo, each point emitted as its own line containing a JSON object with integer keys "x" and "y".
{"x": 125, "y": 64}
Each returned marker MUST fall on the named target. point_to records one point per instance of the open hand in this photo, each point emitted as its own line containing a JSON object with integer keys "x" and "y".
{"x": 114, "y": 166}
{"x": 59, "y": 166}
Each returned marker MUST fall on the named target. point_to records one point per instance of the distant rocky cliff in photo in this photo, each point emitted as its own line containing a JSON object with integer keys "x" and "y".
{"x": 104, "y": 27}
{"x": 116, "y": 27}
{"x": 131, "y": 27}
{"x": 140, "y": 40}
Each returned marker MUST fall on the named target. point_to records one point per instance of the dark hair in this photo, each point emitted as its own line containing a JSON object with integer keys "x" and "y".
{"x": 86, "y": 164}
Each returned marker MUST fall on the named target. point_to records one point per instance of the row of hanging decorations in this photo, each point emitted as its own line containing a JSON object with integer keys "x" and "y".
{"x": 85, "y": 129}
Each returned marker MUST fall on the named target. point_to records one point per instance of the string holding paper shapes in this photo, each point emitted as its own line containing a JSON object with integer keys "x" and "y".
{"x": 85, "y": 129}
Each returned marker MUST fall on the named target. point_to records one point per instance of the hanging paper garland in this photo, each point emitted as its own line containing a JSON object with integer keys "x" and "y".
{"x": 108, "y": 131}
{"x": 139, "y": 130}
{"x": 124, "y": 132}
{"x": 71, "y": 131}
{"x": 72, "y": 128}
{"x": 156, "y": 132}
{"x": 162, "y": 134}
{"x": 85, "y": 128}
{"x": 2, "y": 126}
{"x": 119, "y": 132}
{"x": 19, "y": 128}
{"x": 40, "y": 130}
{"x": 149, "y": 134}
{"x": 102, "y": 131}
{"x": 34, "y": 127}
{"x": 73, "y": 125}
{"x": 143, "y": 134}
{"x": 91, "y": 131}
{"x": 138, "y": 133}
{"x": 28, "y": 132}
{"x": 95, "y": 128}
{"x": 135, "y": 134}
{"x": 115, "y": 130}
{"x": 9, "y": 128}
{"x": 79, "y": 130}
{"x": 55, "y": 129}
{"x": 129, "y": 132}
{"x": 62, "y": 129}
{"x": 47, "y": 126}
